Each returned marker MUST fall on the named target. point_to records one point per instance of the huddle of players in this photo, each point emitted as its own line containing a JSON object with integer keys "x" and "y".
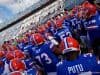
{"x": 52, "y": 48}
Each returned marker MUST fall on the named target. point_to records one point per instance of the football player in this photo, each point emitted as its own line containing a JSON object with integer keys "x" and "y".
{"x": 1, "y": 67}
{"x": 93, "y": 24}
{"x": 43, "y": 54}
{"x": 61, "y": 31}
{"x": 75, "y": 63}
{"x": 2, "y": 59}
{"x": 18, "y": 66}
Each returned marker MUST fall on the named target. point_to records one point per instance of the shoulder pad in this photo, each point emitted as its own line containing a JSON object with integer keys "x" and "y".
{"x": 99, "y": 62}
{"x": 88, "y": 55}
{"x": 60, "y": 63}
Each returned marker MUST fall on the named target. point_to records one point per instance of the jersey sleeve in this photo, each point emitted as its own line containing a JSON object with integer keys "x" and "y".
{"x": 91, "y": 59}
{"x": 32, "y": 71}
{"x": 96, "y": 70}
{"x": 60, "y": 69}
{"x": 1, "y": 70}
{"x": 57, "y": 38}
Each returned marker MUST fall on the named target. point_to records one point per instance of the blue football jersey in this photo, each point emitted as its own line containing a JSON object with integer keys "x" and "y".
{"x": 93, "y": 27}
{"x": 1, "y": 67}
{"x": 27, "y": 47}
{"x": 32, "y": 71}
{"x": 21, "y": 46}
{"x": 62, "y": 33}
{"x": 67, "y": 22}
{"x": 84, "y": 63}
{"x": 73, "y": 21}
{"x": 29, "y": 63}
{"x": 52, "y": 30}
{"x": 1, "y": 70}
{"x": 45, "y": 57}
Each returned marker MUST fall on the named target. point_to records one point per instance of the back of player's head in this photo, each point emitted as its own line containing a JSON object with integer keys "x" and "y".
{"x": 25, "y": 39}
{"x": 48, "y": 23}
{"x": 15, "y": 73}
{"x": 59, "y": 23}
{"x": 41, "y": 29}
{"x": 9, "y": 55}
{"x": 70, "y": 48}
{"x": 90, "y": 9}
{"x": 2, "y": 53}
{"x": 69, "y": 44}
{"x": 17, "y": 65}
{"x": 19, "y": 54}
{"x": 38, "y": 38}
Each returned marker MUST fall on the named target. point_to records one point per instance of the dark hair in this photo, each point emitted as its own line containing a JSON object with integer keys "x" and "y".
{"x": 70, "y": 56}
{"x": 96, "y": 47}
{"x": 91, "y": 1}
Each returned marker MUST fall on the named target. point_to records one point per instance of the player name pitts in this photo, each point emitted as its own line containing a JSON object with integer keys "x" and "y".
{"x": 75, "y": 69}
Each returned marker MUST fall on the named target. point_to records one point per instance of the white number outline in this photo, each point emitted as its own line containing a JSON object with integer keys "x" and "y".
{"x": 46, "y": 58}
